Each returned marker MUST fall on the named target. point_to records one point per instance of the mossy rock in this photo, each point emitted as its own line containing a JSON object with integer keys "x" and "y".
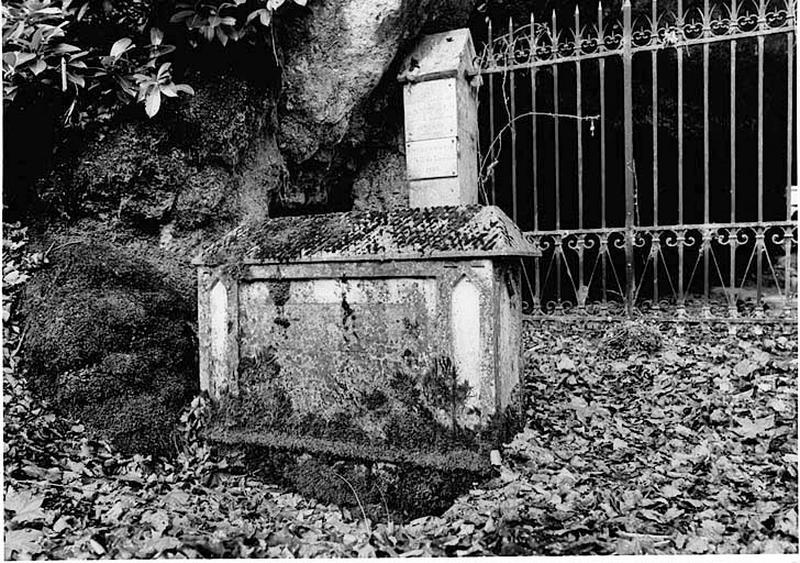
{"x": 110, "y": 343}
{"x": 181, "y": 166}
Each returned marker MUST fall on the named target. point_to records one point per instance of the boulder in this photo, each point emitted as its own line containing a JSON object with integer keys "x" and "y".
{"x": 184, "y": 166}
{"x": 110, "y": 343}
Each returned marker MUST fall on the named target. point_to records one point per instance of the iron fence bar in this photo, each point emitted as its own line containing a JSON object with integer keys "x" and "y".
{"x": 706, "y": 149}
{"x": 534, "y": 171}
{"x": 491, "y": 124}
{"x": 627, "y": 61}
{"x": 579, "y": 131}
{"x": 679, "y": 55}
{"x": 557, "y": 149}
{"x": 789, "y": 137}
{"x": 654, "y": 118}
{"x": 534, "y": 163}
{"x": 513, "y": 133}
{"x": 732, "y": 276}
{"x": 760, "y": 132}
{"x": 789, "y": 120}
{"x": 572, "y": 318}
{"x": 602, "y": 77}
{"x": 557, "y": 146}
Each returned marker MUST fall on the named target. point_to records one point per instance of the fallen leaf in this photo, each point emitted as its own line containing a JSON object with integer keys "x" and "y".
{"x": 752, "y": 428}
{"x": 669, "y": 491}
{"x": 23, "y": 543}
{"x": 565, "y": 364}
{"x": 744, "y": 368}
{"x": 697, "y": 544}
{"x": 25, "y": 506}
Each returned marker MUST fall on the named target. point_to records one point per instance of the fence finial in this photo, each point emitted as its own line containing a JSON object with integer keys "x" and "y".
{"x": 600, "y": 30}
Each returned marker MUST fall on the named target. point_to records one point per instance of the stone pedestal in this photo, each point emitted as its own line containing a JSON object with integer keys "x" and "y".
{"x": 440, "y": 97}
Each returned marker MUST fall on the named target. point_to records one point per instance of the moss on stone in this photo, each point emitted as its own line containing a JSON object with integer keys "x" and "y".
{"x": 397, "y": 422}
{"x": 110, "y": 343}
{"x": 205, "y": 199}
{"x": 181, "y": 165}
{"x": 405, "y": 490}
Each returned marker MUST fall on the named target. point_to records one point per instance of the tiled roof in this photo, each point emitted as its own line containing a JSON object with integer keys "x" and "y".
{"x": 399, "y": 234}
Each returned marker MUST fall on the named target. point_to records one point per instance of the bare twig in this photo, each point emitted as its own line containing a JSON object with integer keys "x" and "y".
{"x": 53, "y": 246}
{"x": 19, "y": 344}
{"x": 386, "y": 507}
{"x": 358, "y": 500}
{"x": 638, "y": 536}
{"x": 497, "y": 137}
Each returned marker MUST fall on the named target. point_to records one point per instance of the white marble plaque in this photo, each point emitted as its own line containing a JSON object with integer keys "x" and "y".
{"x": 436, "y": 158}
{"x": 430, "y": 109}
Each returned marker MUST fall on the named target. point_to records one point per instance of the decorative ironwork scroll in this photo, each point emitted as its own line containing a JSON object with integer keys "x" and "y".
{"x": 591, "y": 279}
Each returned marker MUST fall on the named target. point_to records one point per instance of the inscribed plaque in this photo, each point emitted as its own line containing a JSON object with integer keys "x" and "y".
{"x": 436, "y": 158}
{"x": 430, "y": 109}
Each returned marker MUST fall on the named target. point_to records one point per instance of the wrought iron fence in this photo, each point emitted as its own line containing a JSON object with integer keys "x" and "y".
{"x": 654, "y": 178}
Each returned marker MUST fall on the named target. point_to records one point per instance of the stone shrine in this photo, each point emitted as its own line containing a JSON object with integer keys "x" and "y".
{"x": 381, "y": 336}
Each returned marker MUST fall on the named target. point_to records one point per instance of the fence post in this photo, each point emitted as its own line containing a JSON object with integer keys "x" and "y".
{"x": 627, "y": 64}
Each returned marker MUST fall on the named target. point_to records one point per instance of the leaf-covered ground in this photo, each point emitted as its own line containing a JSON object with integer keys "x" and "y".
{"x": 691, "y": 449}
{"x": 686, "y": 443}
